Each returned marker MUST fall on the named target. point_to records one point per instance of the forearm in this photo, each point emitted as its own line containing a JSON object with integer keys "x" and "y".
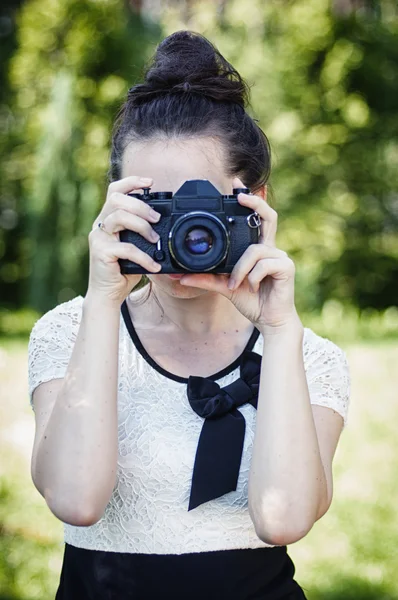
{"x": 287, "y": 481}
{"x": 77, "y": 456}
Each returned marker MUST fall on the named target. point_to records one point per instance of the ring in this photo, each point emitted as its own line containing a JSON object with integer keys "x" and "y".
{"x": 101, "y": 226}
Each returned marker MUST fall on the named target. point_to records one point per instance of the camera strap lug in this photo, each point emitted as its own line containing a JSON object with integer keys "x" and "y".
{"x": 254, "y": 220}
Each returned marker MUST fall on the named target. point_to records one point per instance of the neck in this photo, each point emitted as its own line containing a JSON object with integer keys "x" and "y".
{"x": 209, "y": 313}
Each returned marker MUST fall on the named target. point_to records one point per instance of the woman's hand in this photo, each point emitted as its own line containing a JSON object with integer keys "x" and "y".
{"x": 120, "y": 212}
{"x": 261, "y": 285}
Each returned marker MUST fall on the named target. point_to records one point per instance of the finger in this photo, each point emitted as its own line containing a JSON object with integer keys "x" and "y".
{"x": 112, "y": 252}
{"x": 248, "y": 260}
{"x": 121, "y": 219}
{"x": 129, "y": 204}
{"x": 269, "y": 217}
{"x": 279, "y": 268}
{"x": 128, "y": 184}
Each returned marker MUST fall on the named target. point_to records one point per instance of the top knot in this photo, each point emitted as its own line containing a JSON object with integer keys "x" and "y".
{"x": 186, "y": 62}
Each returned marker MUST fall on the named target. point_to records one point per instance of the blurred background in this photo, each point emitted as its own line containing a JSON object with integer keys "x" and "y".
{"x": 325, "y": 90}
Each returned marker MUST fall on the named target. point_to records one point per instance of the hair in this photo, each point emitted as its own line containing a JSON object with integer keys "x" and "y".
{"x": 191, "y": 90}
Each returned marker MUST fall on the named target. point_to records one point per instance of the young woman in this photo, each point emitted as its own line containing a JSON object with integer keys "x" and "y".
{"x": 185, "y": 431}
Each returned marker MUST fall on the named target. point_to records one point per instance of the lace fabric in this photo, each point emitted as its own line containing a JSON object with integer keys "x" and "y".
{"x": 157, "y": 440}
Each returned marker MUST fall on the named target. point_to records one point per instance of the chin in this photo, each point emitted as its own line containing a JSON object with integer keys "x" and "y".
{"x": 173, "y": 288}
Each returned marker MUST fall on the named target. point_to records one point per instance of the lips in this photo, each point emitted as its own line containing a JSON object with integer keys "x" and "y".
{"x": 175, "y": 275}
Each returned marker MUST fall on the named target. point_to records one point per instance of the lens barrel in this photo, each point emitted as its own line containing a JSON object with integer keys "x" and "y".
{"x": 198, "y": 241}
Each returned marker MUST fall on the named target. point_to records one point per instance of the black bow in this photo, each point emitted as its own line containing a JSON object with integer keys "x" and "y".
{"x": 220, "y": 446}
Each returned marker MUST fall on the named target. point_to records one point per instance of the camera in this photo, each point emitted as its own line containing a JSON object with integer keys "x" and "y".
{"x": 200, "y": 230}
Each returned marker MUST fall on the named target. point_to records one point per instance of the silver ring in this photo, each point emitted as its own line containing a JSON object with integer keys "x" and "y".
{"x": 101, "y": 226}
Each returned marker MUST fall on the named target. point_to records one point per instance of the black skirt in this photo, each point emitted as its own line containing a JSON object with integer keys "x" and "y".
{"x": 247, "y": 574}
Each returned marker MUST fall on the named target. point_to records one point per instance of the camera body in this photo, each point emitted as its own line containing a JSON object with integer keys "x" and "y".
{"x": 201, "y": 230}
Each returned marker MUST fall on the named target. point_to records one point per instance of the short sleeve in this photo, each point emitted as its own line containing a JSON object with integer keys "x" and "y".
{"x": 51, "y": 343}
{"x": 327, "y": 372}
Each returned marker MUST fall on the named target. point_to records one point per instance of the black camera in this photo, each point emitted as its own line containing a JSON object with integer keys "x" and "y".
{"x": 200, "y": 230}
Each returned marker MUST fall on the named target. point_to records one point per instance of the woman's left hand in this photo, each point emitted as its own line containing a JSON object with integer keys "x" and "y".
{"x": 261, "y": 285}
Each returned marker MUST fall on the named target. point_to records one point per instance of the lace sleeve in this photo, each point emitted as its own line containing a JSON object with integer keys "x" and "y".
{"x": 328, "y": 374}
{"x": 51, "y": 343}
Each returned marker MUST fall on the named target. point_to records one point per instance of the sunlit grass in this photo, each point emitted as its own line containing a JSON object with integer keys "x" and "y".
{"x": 351, "y": 553}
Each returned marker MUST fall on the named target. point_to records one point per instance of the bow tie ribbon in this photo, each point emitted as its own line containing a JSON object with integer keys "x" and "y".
{"x": 220, "y": 446}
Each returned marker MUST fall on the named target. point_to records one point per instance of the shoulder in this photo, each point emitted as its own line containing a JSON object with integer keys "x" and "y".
{"x": 51, "y": 342}
{"x": 64, "y": 316}
{"x": 325, "y": 361}
{"x": 315, "y": 348}
{"x": 327, "y": 372}
{"x": 320, "y": 349}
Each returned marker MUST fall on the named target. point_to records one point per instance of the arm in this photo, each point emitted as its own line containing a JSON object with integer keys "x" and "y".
{"x": 75, "y": 457}
{"x": 290, "y": 482}
{"x": 75, "y": 452}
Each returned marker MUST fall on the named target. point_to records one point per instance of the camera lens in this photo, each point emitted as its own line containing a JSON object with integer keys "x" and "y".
{"x": 198, "y": 241}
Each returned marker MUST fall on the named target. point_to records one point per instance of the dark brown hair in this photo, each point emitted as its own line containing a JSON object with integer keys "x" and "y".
{"x": 191, "y": 90}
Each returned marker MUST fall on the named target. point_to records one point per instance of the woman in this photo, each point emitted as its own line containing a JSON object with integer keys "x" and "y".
{"x": 158, "y": 497}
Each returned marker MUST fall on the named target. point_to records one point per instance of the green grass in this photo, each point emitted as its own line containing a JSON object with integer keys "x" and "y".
{"x": 352, "y": 551}
{"x": 350, "y": 554}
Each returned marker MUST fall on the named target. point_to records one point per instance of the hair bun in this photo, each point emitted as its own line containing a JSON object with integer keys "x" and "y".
{"x": 187, "y": 62}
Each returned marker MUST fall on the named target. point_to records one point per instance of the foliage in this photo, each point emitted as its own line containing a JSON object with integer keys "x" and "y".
{"x": 75, "y": 62}
{"x": 10, "y": 223}
{"x": 17, "y": 323}
{"x": 346, "y": 323}
{"x": 326, "y": 94}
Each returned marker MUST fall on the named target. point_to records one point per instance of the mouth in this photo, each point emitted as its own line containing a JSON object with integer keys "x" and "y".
{"x": 175, "y": 275}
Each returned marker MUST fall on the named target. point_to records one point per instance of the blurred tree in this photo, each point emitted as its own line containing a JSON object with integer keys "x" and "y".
{"x": 75, "y": 61}
{"x": 347, "y": 7}
{"x": 326, "y": 91}
{"x": 10, "y": 224}
{"x": 324, "y": 88}
{"x": 340, "y": 93}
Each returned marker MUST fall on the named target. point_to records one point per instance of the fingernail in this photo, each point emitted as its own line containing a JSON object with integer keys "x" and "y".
{"x": 231, "y": 284}
{"x": 154, "y": 215}
{"x": 156, "y": 266}
{"x": 154, "y": 236}
{"x": 146, "y": 180}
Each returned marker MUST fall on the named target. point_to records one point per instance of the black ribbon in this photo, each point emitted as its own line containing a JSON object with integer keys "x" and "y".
{"x": 220, "y": 446}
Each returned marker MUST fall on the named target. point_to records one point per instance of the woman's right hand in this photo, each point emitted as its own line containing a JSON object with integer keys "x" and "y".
{"x": 120, "y": 212}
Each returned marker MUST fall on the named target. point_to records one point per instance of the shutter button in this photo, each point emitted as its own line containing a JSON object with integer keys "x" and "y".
{"x": 159, "y": 254}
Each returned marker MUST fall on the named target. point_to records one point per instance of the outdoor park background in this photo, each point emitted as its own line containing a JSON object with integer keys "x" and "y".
{"x": 325, "y": 89}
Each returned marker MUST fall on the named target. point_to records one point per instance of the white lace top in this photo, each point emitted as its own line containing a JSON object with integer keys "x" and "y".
{"x": 158, "y": 435}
